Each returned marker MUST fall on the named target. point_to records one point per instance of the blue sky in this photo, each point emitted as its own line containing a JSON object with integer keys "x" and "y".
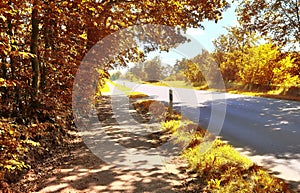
{"x": 214, "y": 30}
{"x": 200, "y": 39}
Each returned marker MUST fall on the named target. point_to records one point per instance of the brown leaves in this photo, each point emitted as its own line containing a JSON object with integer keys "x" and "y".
{"x": 55, "y": 36}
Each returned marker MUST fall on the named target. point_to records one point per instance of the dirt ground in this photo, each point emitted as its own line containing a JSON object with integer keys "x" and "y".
{"x": 74, "y": 168}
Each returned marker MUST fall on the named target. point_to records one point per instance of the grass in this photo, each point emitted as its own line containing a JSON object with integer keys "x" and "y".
{"x": 145, "y": 106}
{"x": 175, "y": 84}
{"x": 219, "y": 166}
{"x": 128, "y": 91}
{"x": 121, "y": 87}
{"x": 135, "y": 95}
{"x": 277, "y": 93}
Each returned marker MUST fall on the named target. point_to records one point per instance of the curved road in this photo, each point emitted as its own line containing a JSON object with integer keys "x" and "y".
{"x": 265, "y": 130}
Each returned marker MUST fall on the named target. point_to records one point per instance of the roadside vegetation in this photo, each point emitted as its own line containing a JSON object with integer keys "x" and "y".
{"x": 128, "y": 91}
{"x": 238, "y": 88}
{"x": 43, "y": 43}
{"x": 219, "y": 167}
{"x": 251, "y": 58}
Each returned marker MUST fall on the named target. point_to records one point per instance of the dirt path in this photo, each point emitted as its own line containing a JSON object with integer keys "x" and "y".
{"x": 86, "y": 173}
{"x": 76, "y": 169}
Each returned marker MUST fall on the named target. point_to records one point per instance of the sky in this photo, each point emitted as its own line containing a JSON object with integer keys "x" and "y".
{"x": 200, "y": 39}
{"x": 214, "y": 30}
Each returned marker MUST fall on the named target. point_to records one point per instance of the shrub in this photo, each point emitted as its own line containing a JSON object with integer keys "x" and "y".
{"x": 15, "y": 142}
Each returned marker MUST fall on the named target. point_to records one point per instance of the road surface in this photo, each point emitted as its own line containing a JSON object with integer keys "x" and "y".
{"x": 266, "y": 130}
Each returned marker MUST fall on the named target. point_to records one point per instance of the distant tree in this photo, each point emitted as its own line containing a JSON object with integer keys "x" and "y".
{"x": 198, "y": 69}
{"x": 167, "y": 71}
{"x": 258, "y": 64}
{"x": 130, "y": 76}
{"x": 179, "y": 65}
{"x": 138, "y": 71}
{"x": 230, "y": 49}
{"x": 116, "y": 75}
{"x": 153, "y": 69}
{"x": 193, "y": 72}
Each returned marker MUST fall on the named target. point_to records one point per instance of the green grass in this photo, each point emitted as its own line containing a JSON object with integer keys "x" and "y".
{"x": 179, "y": 84}
{"x": 121, "y": 87}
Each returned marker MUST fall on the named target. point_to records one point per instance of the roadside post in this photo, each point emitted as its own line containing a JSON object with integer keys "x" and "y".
{"x": 170, "y": 101}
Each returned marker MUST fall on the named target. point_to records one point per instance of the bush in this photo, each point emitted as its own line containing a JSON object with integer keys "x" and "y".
{"x": 180, "y": 76}
{"x": 15, "y": 143}
{"x": 170, "y": 78}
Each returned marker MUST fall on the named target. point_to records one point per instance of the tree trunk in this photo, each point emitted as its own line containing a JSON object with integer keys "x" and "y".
{"x": 34, "y": 49}
{"x": 47, "y": 35}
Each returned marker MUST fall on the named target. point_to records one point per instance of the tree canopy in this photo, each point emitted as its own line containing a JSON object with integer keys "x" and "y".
{"x": 278, "y": 19}
{"x": 42, "y": 45}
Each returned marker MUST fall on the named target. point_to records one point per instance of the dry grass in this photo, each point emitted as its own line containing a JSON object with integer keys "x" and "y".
{"x": 128, "y": 91}
{"x": 135, "y": 95}
{"x": 262, "y": 91}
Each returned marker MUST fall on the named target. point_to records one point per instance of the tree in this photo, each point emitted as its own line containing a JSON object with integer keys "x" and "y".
{"x": 277, "y": 19}
{"x": 193, "y": 72}
{"x": 266, "y": 65}
{"x": 34, "y": 47}
{"x": 53, "y": 37}
{"x": 43, "y": 43}
{"x": 283, "y": 73}
{"x": 116, "y": 75}
{"x": 153, "y": 69}
{"x": 258, "y": 65}
{"x": 167, "y": 71}
{"x": 230, "y": 50}
{"x": 138, "y": 71}
{"x": 198, "y": 69}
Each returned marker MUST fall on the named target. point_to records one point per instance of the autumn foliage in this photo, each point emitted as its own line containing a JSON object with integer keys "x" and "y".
{"x": 42, "y": 43}
{"x": 243, "y": 59}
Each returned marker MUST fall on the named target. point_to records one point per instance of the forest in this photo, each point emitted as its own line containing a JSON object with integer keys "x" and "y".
{"x": 42, "y": 43}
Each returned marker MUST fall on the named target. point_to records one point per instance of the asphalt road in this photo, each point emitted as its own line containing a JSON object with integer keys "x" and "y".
{"x": 266, "y": 130}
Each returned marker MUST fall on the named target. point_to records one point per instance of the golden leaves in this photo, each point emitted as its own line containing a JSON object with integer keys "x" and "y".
{"x": 7, "y": 83}
{"x": 3, "y": 18}
{"x": 26, "y": 54}
{"x": 67, "y": 30}
{"x": 83, "y": 36}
